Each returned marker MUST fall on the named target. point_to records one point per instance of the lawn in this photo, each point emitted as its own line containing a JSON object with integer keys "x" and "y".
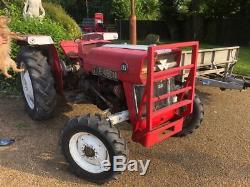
{"x": 243, "y": 65}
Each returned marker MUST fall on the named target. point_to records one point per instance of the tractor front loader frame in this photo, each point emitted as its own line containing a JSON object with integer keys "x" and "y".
{"x": 156, "y": 127}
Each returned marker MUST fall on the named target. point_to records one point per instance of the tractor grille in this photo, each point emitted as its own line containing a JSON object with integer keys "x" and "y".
{"x": 160, "y": 88}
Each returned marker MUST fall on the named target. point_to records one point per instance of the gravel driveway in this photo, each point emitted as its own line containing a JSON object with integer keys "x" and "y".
{"x": 217, "y": 154}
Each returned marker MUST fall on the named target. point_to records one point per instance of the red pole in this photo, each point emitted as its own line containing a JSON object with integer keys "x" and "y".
{"x": 133, "y": 34}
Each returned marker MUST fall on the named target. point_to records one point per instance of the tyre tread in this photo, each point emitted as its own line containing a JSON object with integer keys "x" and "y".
{"x": 43, "y": 83}
{"x": 106, "y": 131}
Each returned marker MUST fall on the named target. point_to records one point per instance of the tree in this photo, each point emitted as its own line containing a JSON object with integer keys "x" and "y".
{"x": 148, "y": 9}
{"x": 120, "y": 9}
{"x": 112, "y": 9}
{"x": 156, "y": 9}
{"x": 145, "y": 9}
{"x": 228, "y": 8}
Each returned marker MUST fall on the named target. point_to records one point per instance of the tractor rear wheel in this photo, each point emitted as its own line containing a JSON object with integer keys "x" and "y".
{"x": 37, "y": 84}
{"x": 194, "y": 120}
{"x": 89, "y": 141}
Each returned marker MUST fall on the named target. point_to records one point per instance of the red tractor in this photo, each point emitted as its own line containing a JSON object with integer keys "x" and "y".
{"x": 141, "y": 84}
{"x": 95, "y": 24}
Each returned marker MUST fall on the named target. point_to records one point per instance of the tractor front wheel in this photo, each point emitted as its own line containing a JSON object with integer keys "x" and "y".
{"x": 194, "y": 120}
{"x": 87, "y": 142}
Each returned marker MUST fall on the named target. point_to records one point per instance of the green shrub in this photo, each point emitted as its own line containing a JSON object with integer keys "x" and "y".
{"x": 34, "y": 26}
{"x": 152, "y": 39}
{"x": 59, "y": 28}
{"x": 58, "y": 14}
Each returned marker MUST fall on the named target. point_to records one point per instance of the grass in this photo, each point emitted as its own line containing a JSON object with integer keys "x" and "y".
{"x": 9, "y": 86}
{"x": 243, "y": 65}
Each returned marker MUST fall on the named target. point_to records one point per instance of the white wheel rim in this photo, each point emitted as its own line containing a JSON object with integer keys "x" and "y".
{"x": 77, "y": 146}
{"x": 27, "y": 87}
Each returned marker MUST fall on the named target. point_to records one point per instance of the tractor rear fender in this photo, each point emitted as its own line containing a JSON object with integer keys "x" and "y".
{"x": 46, "y": 44}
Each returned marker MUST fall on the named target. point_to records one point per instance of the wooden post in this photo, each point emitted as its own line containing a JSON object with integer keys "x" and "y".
{"x": 133, "y": 34}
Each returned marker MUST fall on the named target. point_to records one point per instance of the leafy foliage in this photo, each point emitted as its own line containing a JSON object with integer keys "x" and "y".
{"x": 57, "y": 23}
{"x": 148, "y": 9}
{"x": 206, "y": 8}
{"x": 155, "y": 9}
{"x": 35, "y": 26}
{"x": 58, "y": 26}
{"x": 113, "y": 9}
{"x": 56, "y": 13}
{"x": 120, "y": 9}
{"x": 145, "y": 9}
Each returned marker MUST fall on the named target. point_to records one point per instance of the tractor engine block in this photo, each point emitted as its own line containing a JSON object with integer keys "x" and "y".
{"x": 106, "y": 94}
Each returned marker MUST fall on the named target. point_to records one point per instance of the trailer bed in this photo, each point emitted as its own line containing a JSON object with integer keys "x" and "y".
{"x": 215, "y": 68}
{"x": 213, "y": 61}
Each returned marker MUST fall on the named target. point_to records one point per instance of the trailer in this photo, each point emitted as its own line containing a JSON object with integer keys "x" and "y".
{"x": 215, "y": 68}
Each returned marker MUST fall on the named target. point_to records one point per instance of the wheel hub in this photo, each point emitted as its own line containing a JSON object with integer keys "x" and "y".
{"x": 89, "y": 152}
{"x": 27, "y": 87}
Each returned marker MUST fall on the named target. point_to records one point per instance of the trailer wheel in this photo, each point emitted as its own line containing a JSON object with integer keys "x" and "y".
{"x": 37, "y": 84}
{"x": 88, "y": 141}
{"x": 195, "y": 119}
